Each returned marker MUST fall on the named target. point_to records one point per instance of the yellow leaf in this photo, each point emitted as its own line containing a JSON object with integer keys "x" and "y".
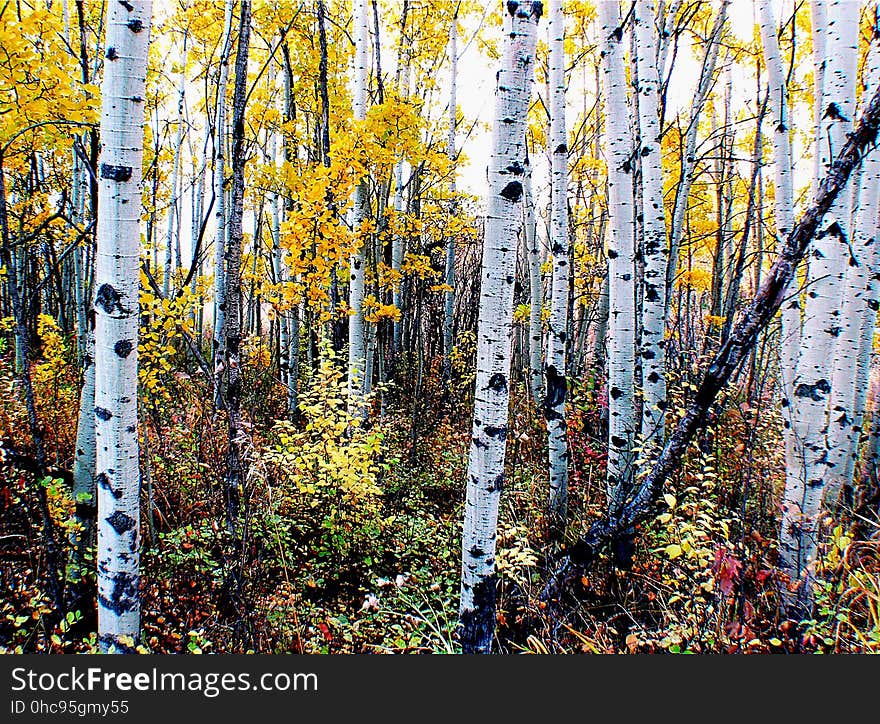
{"x": 670, "y": 499}
{"x": 673, "y": 550}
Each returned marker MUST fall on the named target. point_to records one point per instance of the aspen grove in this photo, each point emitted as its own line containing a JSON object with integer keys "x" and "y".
{"x": 437, "y": 326}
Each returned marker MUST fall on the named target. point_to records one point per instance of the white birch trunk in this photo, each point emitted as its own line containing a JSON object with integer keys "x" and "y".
{"x": 485, "y": 477}
{"x": 116, "y": 323}
{"x": 618, "y": 145}
{"x": 356, "y": 338}
{"x": 556, "y": 384}
{"x": 654, "y": 250}
{"x": 822, "y": 314}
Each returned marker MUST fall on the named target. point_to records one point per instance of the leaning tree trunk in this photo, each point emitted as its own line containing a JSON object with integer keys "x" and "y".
{"x": 822, "y": 314}
{"x": 654, "y": 252}
{"x": 485, "y": 477}
{"x": 556, "y": 384}
{"x": 116, "y": 324}
{"x": 645, "y": 501}
{"x": 621, "y": 259}
{"x": 356, "y": 342}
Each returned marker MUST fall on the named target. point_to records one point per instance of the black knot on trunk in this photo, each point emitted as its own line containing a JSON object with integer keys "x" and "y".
{"x": 115, "y": 173}
{"x": 103, "y": 481}
{"x": 497, "y": 383}
{"x": 513, "y": 191}
{"x": 120, "y": 522}
{"x": 815, "y": 392}
{"x": 557, "y": 387}
{"x": 135, "y": 25}
{"x": 108, "y": 299}
{"x": 496, "y": 432}
{"x": 124, "y": 596}
{"x": 123, "y": 348}
{"x": 103, "y": 414}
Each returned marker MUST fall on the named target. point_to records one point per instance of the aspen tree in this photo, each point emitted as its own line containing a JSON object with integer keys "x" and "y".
{"x": 485, "y": 476}
{"x": 653, "y": 244}
{"x": 822, "y": 313}
{"x": 356, "y": 341}
{"x": 536, "y": 289}
{"x": 220, "y": 198}
{"x": 116, "y": 323}
{"x": 449, "y": 275}
{"x": 175, "y": 174}
{"x": 556, "y": 384}
{"x": 233, "y": 331}
{"x": 784, "y": 218}
{"x": 689, "y": 161}
{"x": 618, "y": 145}
{"x": 849, "y": 374}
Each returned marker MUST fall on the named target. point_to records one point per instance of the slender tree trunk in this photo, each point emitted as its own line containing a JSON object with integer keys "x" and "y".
{"x": 485, "y": 477}
{"x": 220, "y": 302}
{"x": 84, "y": 459}
{"x": 689, "y": 161}
{"x": 654, "y": 252}
{"x": 233, "y": 332}
{"x": 556, "y": 383}
{"x": 536, "y": 290}
{"x": 356, "y": 340}
{"x": 117, "y": 281}
{"x": 784, "y": 216}
{"x": 449, "y": 294}
{"x": 175, "y": 176}
{"x": 618, "y": 143}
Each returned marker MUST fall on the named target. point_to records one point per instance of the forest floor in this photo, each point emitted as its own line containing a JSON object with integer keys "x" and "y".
{"x": 351, "y": 542}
